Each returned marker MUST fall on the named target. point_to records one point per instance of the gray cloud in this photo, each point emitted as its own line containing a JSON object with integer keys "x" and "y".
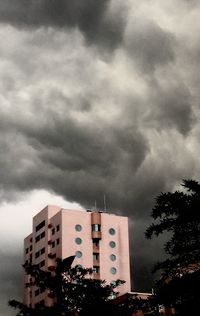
{"x": 80, "y": 126}
{"x": 92, "y": 18}
{"x": 148, "y": 45}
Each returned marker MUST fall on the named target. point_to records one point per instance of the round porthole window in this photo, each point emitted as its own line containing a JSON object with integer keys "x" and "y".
{"x": 112, "y": 244}
{"x": 113, "y": 270}
{"x": 112, "y": 231}
{"x": 78, "y": 228}
{"x": 78, "y": 241}
{"x": 112, "y": 257}
{"x": 79, "y": 254}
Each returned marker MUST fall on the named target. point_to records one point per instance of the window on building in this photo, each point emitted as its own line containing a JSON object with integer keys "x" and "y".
{"x": 112, "y": 244}
{"x": 96, "y": 269}
{"x": 37, "y": 292}
{"x": 57, "y": 228}
{"x": 78, "y": 241}
{"x": 39, "y": 226}
{"x": 37, "y": 238}
{"x": 96, "y": 227}
{"x": 53, "y": 231}
{"x": 95, "y": 256}
{"x": 78, "y": 228}
{"x": 31, "y": 257}
{"x": 37, "y": 254}
{"x": 112, "y": 231}
{"x": 42, "y": 235}
{"x": 79, "y": 254}
{"x": 42, "y": 264}
{"x": 57, "y": 241}
{"x": 26, "y": 250}
{"x": 113, "y": 270}
{"x": 95, "y": 242}
{"x": 42, "y": 251}
{"x": 112, "y": 257}
{"x": 31, "y": 248}
{"x": 53, "y": 244}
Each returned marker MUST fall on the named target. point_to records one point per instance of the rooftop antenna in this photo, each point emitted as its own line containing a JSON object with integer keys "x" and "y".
{"x": 104, "y": 202}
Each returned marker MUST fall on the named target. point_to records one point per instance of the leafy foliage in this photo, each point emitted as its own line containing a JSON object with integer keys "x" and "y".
{"x": 74, "y": 290}
{"x": 179, "y": 214}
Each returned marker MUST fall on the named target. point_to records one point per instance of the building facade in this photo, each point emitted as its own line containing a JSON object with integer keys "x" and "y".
{"x": 98, "y": 240}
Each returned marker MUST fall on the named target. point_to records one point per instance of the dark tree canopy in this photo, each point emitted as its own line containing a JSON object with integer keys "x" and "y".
{"x": 178, "y": 213}
{"x": 75, "y": 293}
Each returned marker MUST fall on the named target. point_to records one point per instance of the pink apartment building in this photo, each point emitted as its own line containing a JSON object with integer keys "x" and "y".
{"x": 98, "y": 240}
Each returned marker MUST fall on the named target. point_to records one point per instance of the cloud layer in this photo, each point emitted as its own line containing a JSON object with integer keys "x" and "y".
{"x": 100, "y": 98}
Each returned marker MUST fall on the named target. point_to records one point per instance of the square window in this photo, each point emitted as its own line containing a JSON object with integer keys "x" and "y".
{"x": 95, "y": 256}
{"x": 96, "y": 269}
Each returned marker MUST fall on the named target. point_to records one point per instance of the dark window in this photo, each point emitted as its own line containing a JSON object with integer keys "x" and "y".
{"x": 37, "y": 254}
{"x": 26, "y": 250}
{"x": 78, "y": 228}
{"x": 39, "y": 226}
{"x": 96, "y": 227}
{"x": 112, "y": 231}
{"x": 57, "y": 241}
{"x": 95, "y": 256}
{"x": 42, "y": 251}
{"x": 42, "y": 235}
{"x": 37, "y": 292}
{"x": 37, "y": 238}
{"x": 78, "y": 241}
{"x": 96, "y": 269}
{"x": 57, "y": 228}
{"x": 31, "y": 247}
{"x": 112, "y": 244}
{"x": 113, "y": 270}
{"x": 112, "y": 257}
{"x": 53, "y": 231}
{"x": 31, "y": 256}
{"x": 42, "y": 263}
{"x": 79, "y": 254}
{"x": 53, "y": 244}
{"x": 95, "y": 242}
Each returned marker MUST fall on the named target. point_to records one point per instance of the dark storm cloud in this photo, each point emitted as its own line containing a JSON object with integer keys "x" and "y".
{"x": 10, "y": 280}
{"x": 75, "y": 125}
{"x": 91, "y": 17}
{"x": 79, "y": 161}
{"x": 148, "y": 45}
{"x": 174, "y": 104}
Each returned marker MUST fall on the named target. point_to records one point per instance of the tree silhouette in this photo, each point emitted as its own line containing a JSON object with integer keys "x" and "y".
{"x": 73, "y": 289}
{"x": 178, "y": 213}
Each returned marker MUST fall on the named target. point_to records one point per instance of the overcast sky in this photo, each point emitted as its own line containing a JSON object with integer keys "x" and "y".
{"x": 95, "y": 97}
